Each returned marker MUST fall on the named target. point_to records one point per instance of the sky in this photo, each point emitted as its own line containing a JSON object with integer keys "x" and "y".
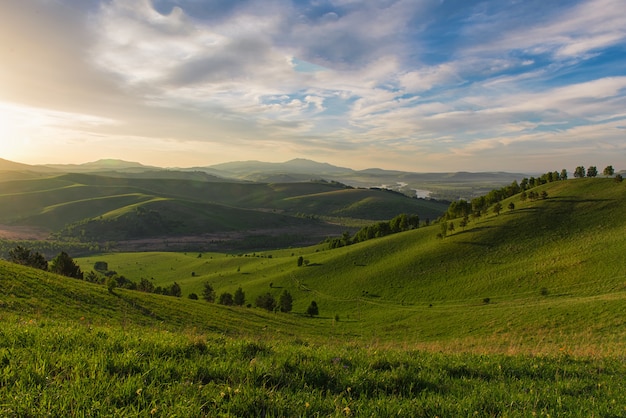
{"x": 413, "y": 85}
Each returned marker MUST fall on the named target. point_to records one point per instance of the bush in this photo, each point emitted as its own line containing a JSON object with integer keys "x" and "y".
{"x": 226, "y": 299}
{"x": 64, "y": 264}
{"x": 285, "y": 302}
{"x": 312, "y": 310}
{"x": 26, "y": 257}
{"x": 266, "y": 301}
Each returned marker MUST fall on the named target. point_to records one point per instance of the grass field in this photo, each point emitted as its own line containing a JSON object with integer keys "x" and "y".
{"x": 518, "y": 314}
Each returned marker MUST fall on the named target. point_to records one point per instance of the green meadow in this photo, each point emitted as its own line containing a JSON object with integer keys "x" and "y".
{"x": 516, "y": 314}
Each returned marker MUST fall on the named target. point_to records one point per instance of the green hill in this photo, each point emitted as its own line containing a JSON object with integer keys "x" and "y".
{"x": 94, "y": 208}
{"x": 548, "y": 269}
{"x": 519, "y": 314}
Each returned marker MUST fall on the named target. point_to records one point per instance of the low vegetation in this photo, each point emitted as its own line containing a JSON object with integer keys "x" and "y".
{"x": 518, "y": 312}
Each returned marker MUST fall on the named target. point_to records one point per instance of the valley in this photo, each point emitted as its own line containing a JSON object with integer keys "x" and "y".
{"x": 422, "y": 322}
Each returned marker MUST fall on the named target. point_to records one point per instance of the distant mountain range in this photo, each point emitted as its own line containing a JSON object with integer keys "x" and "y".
{"x": 445, "y": 186}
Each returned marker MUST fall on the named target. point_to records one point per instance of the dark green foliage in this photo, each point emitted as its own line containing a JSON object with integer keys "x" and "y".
{"x": 226, "y": 299}
{"x": 285, "y": 301}
{"x": 608, "y": 171}
{"x": 579, "y": 172}
{"x": 64, "y": 264}
{"x": 400, "y": 223}
{"x": 511, "y": 206}
{"x": 619, "y": 178}
{"x": 208, "y": 293}
{"x": 145, "y": 285}
{"x": 240, "y": 297}
{"x": 175, "y": 290}
{"x": 312, "y": 310}
{"x": 101, "y": 266}
{"x": 497, "y": 208}
{"x": 26, "y": 257}
{"x": 266, "y": 301}
{"x": 300, "y": 261}
{"x": 193, "y": 296}
{"x": 592, "y": 171}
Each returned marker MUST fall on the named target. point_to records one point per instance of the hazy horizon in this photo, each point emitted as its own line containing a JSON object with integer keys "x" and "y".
{"x": 428, "y": 86}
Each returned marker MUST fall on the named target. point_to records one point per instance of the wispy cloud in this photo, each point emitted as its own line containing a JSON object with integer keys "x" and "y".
{"x": 373, "y": 82}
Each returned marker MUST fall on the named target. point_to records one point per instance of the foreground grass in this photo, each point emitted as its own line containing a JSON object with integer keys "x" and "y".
{"x": 73, "y": 368}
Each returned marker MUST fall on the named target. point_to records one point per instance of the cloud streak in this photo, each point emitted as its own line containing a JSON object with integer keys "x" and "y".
{"x": 417, "y": 86}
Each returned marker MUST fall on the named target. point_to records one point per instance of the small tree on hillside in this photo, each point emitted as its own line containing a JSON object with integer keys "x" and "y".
{"x": 300, "y": 261}
{"x": 618, "y": 178}
{"x": 64, "y": 264}
{"x": 579, "y": 172}
{"x": 312, "y": 310}
{"x": 208, "y": 293}
{"x": 240, "y": 297}
{"x": 497, "y": 208}
{"x": 285, "y": 302}
{"x": 511, "y": 206}
{"x": 226, "y": 299}
{"x": 175, "y": 290}
{"x": 266, "y": 301}
{"x": 25, "y": 257}
{"x": 563, "y": 175}
{"x": 608, "y": 171}
{"x": 592, "y": 171}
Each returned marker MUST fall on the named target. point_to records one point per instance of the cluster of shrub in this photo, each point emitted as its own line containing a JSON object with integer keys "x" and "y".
{"x": 64, "y": 264}
{"x": 266, "y": 301}
{"x": 400, "y": 223}
{"x": 61, "y": 264}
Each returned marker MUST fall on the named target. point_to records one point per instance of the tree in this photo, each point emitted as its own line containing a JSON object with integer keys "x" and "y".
{"x": 592, "y": 171}
{"x": 226, "y": 299}
{"x": 266, "y": 302}
{"x": 193, "y": 296}
{"x": 285, "y": 302}
{"x": 563, "y": 174}
{"x": 523, "y": 196}
{"x": 608, "y": 171}
{"x": 300, "y": 261}
{"x": 240, "y": 297}
{"x": 64, "y": 264}
{"x": 511, "y": 206}
{"x": 618, "y": 178}
{"x": 101, "y": 266}
{"x": 25, "y": 257}
{"x": 145, "y": 285}
{"x": 175, "y": 290}
{"x": 497, "y": 208}
{"x": 579, "y": 172}
{"x": 312, "y": 310}
{"x": 208, "y": 293}
{"x": 544, "y": 195}
{"x": 444, "y": 228}
{"x": 451, "y": 227}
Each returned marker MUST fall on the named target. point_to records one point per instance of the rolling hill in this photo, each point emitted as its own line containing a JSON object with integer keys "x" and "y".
{"x": 517, "y": 314}
{"x": 97, "y": 208}
{"x": 441, "y": 186}
{"x": 548, "y": 273}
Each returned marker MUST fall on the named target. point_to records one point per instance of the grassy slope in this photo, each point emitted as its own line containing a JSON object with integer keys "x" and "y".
{"x": 71, "y": 348}
{"x": 553, "y": 271}
{"x": 186, "y": 206}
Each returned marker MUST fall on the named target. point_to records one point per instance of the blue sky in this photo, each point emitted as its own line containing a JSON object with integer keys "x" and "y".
{"x": 421, "y": 85}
